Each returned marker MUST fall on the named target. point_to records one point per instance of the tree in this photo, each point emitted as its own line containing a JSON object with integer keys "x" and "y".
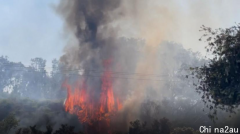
{"x": 219, "y": 79}
{"x": 19, "y": 81}
{"x": 57, "y": 80}
{"x": 38, "y": 64}
{"x": 138, "y": 128}
{"x": 39, "y": 82}
{"x": 162, "y": 126}
{"x": 10, "y": 122}
{"x": 10, "y": 76}
{"x": 65, "y": 129}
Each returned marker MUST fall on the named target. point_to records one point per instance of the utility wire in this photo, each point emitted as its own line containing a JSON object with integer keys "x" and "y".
{"x": 112, "y": 72}
{"x": 70, "y": 71}
{"x": 96, "y": 76}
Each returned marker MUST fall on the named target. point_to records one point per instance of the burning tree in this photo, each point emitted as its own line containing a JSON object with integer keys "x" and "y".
{"x": 81, "y": 100}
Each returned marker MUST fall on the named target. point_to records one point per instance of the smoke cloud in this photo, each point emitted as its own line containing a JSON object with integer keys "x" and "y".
{"x": 101, "y": 30}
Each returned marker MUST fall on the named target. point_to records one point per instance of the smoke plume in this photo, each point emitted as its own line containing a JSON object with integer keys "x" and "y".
{"x": 101, "y": 30}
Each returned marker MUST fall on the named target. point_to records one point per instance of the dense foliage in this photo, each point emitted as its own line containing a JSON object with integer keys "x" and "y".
{"x": 64, "y": 129}
{"x": 162, "y": 126}
{"x": 219, "y": 80}
{"x": 10, "y": 122}
{"x": 33, "y": 82}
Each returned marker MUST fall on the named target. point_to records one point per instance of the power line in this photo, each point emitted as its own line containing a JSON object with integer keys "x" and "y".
{"x": 96, "y": 76}
{"x": 68, "y": 71}
{"x": 131, "y": 78}
{"x": 112, "y": 72}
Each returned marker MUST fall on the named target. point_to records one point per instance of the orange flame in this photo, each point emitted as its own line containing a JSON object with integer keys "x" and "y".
{"x": 81, "y": 101}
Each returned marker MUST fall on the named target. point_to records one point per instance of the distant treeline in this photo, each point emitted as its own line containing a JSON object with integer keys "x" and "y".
{"x": 161, "y": 126}
{"x": 33, "y": 82}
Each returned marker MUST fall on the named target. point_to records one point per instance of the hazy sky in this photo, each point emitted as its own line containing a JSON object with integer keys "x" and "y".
{"x": 28, "y": 29}
{"x": 32, "y": 28}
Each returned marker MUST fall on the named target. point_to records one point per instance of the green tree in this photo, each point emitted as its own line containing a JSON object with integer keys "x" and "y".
{"x": 38, "y": 64}
{"x": 57, "y": 78}
{"x": 39, "y": 82}
{"x": 162, "y": 126}
{"x": 10, "y": 122}
{"x": 137, "y": 127}
{"x": 219, "y": 79}
{"x": 65, "y": 129}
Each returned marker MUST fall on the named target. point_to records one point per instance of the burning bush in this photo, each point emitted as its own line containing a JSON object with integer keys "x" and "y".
{"x": 81, "y": 100}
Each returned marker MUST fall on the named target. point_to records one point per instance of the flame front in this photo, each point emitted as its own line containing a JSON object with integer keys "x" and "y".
{"x": 82, "y": 101}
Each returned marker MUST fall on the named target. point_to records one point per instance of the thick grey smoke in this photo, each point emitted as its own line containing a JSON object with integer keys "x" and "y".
{"x": 88, "y": 21}
{"x": 93, "y": 29}
{"x": 94, "y": 38}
